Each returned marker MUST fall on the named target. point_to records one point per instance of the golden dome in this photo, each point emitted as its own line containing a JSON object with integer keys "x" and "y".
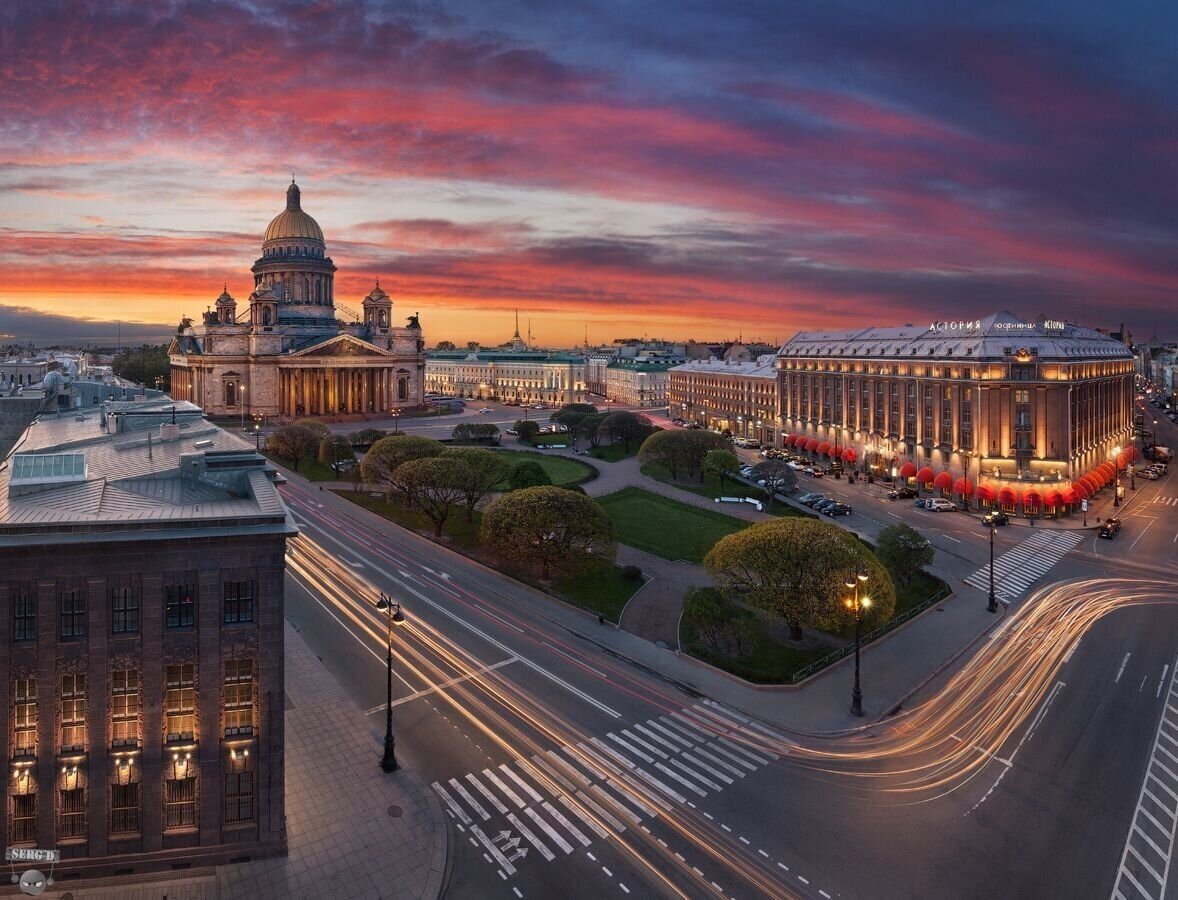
{"x": 292, "y": 222}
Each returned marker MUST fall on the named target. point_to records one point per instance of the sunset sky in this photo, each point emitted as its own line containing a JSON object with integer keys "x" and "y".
{"x": 674, "y": 168}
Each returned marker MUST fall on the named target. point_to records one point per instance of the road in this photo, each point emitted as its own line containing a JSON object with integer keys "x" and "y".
{"x": 565, "y": 770}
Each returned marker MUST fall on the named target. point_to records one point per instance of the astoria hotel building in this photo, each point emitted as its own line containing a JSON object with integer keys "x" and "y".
{"x": 1030, "y": 415}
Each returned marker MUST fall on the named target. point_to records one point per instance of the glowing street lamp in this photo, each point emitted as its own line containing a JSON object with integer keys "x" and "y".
{"x": 394, "y": 616}
{"x": 1117, "y": 482}
{"x": 857, "y": 604}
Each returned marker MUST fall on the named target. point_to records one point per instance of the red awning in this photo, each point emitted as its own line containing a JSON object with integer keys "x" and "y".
{"x": 1123, "y": 459}
{"x": 1032, "y": 498}
{"x": 1133, "y": 454}
{"x": 788, "y": 441}
{"x": 1108, "y": 469}
{"x": 835, "y": 451}
{"x": 1052, "y": 498}
{"x": 925, "y": 475}
{"x": 907, "y": 470}
{"x": 963, "y": 486}
{"x": 824, "y": 448}
{"x": 943, "y": 481}
{"x": 812, "y": 445}
{"x": 1071, "y": 495}
{"x": 1091, "y": 482}
{"x": 1007, "y": 495}
{"x": 849, "y": 455}
{"x": 985, "y": 492}
{"x": 1081, "y": 489}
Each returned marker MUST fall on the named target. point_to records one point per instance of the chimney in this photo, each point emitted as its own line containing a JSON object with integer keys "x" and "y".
{"x": 169, "y": 431}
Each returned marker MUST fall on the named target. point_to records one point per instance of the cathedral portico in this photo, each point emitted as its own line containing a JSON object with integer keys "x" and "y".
{"x": 287, "y": 354}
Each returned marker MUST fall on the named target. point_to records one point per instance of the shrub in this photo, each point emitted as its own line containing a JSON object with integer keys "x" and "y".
{"x": 526, "y": 474}
{"x": 632, "y": 573}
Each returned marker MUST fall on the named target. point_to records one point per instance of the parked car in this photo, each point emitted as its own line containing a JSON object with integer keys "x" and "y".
{"x": 838, "y": 509}
{"x": 794, "y": 464}
{"x": 1109, "y": 528}
{"x": 901, "y": 493}
{"x": 1150, "y": 474}
{"x": 676, "y": 421}
{"x": 997, "y": 517}
{"x": 511, "y": 431}
{"x": 810, "y": 499}
{"x": 486, "y": 409}
{"x": 918, "y": 502}
{"x": 821, "y": 505}
{"x": 940, "y": 504}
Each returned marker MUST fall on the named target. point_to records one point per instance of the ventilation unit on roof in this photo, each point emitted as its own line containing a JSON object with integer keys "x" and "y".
{"x": 200, "y": 445}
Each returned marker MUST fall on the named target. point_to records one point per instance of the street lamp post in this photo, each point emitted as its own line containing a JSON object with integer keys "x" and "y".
{"x": 857, "y": 604}
{"x": 241, "y": 389}
{"x": 393, "y": 616}
{"x": 396, "y": 414}
{"x": 1117, "y": 480}
{"x": 992, "y": 600}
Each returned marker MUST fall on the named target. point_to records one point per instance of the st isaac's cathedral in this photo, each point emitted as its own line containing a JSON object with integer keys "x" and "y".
{"x": 287, "y": 354}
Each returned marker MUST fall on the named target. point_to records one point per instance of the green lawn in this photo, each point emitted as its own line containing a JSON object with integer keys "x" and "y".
{"x": 461, "y": 533}
{"x": 562, "y": 470}
{"x": 666, "y": 527}
{"x": 710, "y": 487}
{"x": 613, "y": 452}
{"x": 309, "y": 467}
{"x": 602, "y": 590}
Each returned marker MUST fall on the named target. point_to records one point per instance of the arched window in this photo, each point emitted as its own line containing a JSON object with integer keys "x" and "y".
{"x": 266, "y": 316}
{"x": 231, "y": 393}
{"x": 403, "y": 387}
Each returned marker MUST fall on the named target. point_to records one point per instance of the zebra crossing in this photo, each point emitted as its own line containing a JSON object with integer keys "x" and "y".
{"x": 1020, "y": 567}
{"x": 606, "y": 784}
{"x": 1166, "y": 501}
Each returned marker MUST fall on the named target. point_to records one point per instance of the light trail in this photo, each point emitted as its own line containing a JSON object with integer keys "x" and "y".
{"x": 492, "y": 704}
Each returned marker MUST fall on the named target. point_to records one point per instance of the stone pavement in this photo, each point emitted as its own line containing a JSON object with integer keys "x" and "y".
{"x": 353, "y": 831}
{"x": 653, "y": 612}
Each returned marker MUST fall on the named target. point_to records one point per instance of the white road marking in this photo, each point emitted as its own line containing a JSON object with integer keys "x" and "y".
{"x": 449, "y": 801}
{"x": 470, "y": 801}
{"x": 549, "y": 830}
{"x": 569, "y": 826}
{"x": 601, "y": 811}
{"x": 1120, "y": 671}
{"x": 573, "y": 659}
{"x": 511, "y": 795}
{"x": 491, "y": 798}
{"x": 499, "y": 857}
{"x": 523, "y": 784}
{"x": 541, "y": 848}
{"x": 1162, "y": 680}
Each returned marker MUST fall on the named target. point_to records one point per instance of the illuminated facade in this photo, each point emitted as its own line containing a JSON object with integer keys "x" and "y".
{"x": 288, "y": 355}
{"x": 141, "y": 646}
{"x": 1034, "y": 416}
{"x": 529, "y": 376}
{"x": 734, "y": 394}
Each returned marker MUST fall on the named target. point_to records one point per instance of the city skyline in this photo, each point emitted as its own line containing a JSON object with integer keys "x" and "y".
{"x": 687, "y": 175}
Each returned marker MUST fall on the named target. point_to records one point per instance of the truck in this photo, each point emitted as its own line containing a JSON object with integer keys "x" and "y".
{"x": 1158, "y": 454}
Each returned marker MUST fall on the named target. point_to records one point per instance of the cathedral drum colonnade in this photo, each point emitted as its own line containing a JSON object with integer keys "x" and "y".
{"x": 288, "y": 354}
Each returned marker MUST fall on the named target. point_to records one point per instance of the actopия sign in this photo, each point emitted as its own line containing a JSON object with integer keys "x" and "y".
{"x": 955, "y": 326}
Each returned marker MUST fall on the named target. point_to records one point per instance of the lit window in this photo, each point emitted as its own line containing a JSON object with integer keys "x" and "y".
{"x": 124, "y": 708}
{"x": 180, "y": 702}
{"x": 73, "y": 712}
{"x": 239, "y": 697}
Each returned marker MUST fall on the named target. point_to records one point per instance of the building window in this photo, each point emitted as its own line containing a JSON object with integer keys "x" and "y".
{"x": 124, "y": 610}
{"x": 25, "y": 716}
{"x": 124, "y": 808}
{"x": 125, "y": 708}
{"x": 73, "y": 712}
{"x": 24, "y": 614}
{"x": 180, "y": 605}
{"x": 239, "y": 601}
{"x": 239, "y": 697}
{"x": 180, "y": 702}
{"x": 239, "y": 797}
{"x": 72, "y": 606}
{"x": 179, "y": 803}
{"x": 24, "y": 818}
{"x": 71, "y": 821}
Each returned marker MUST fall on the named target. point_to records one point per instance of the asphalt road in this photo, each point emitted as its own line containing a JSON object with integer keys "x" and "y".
{"x": 673, "y": 796}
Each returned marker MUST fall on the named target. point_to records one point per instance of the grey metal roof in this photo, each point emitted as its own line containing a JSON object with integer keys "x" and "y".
{"x": 75, "y": 474}
{"x": 996, "y": 337}
{"x": 761, "y": 367}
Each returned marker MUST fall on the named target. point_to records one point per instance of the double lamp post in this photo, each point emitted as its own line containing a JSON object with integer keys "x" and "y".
{"x": 393, "y": 616}
{"x": 857, "y": 604}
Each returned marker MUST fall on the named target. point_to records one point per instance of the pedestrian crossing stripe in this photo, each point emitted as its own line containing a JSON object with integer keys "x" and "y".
{"x": 1166, "y": 501}
{"x": 588, "y": 790}
{"x": 1021, "y": 566}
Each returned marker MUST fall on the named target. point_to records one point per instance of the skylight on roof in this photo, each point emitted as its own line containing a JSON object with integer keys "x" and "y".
{"x": 48, "y": 468}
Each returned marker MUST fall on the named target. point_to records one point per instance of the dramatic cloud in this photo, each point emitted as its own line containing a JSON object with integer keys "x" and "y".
{"x": 679, "y": 167}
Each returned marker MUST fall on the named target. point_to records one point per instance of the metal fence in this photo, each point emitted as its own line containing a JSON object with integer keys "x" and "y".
{"x": 831, "y": 658}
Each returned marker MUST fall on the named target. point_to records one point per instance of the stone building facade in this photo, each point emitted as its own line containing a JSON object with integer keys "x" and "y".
{"x": 142, "y": 559}
{"x": 527, "y": 376}
{"x": 287, "y": 354}
{"x": 737, "y": 393}
{"x": 1032, "y": 415}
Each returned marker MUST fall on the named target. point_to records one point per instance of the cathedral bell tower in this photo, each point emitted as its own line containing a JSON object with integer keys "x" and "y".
{"x": 378, "y": 316}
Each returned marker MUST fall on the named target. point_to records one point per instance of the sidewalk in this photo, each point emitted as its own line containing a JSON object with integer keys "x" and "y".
{"x": 353, "y": 831}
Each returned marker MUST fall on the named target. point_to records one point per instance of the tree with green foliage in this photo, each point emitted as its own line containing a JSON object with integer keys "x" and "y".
{"x": 527, "y": 473}
{"x": 292, "y": 443}
{"x": 560, "y": 532}
{"x": 355, "y": 476}
{"x": 570, "y": 416}
{"x": 625, "y": 426}
{"x": 475, "y": 433}
{"x": 904, "y": 551}
{"x": 321, "y": 431}
{"x": 798, "y": 568}
{"x": 366, "y": 437}
{"x": 433, "y": 486}
{"x": 721, "y": 464}
{"x": 527, "y": 430}
{"x": 445, "y": 345}
{"x": 144, "y": 365}
{"x": 382, "y": 459}
{"x": 718, "y": 622}
{"x": 779, "y": 478}
{"x": 590, "y": 428}
{"x": 486, "y": 470}
{"x": 681, "y": 452}
{"x": 335, "y": 450}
